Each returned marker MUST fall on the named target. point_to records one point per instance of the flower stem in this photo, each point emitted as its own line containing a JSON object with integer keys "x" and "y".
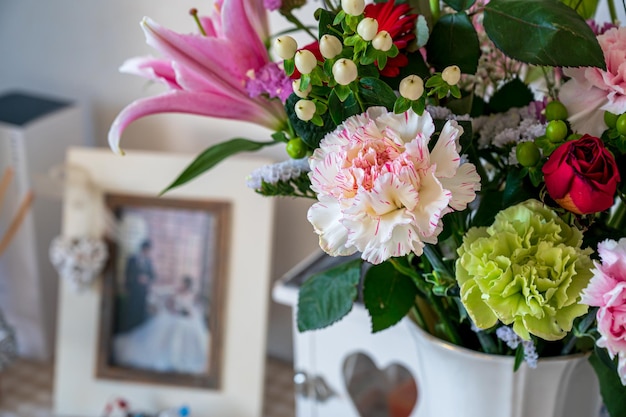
{"x": 449, "y": 330}
{"x": 612, "y": 11}
{"x": 291, "y": 18}
{"x": 617, "y": 220}
{"x": 487, "y": 343}
{"x": 435, "y": 10}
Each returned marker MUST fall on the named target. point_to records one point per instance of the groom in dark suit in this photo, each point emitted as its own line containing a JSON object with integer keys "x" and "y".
{"x": 139, "y": 277}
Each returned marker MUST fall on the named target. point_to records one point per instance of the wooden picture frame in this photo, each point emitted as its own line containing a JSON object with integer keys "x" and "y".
{"x": 84, "y": 379}
{"x": 168, "y": 329}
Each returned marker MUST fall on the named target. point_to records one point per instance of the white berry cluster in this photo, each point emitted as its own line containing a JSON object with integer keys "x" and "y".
{"x": 341, "y": 65}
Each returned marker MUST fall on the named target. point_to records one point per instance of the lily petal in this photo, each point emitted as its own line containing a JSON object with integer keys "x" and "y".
{"x": 205, "y": 104}
{"x": 152, "y": 68}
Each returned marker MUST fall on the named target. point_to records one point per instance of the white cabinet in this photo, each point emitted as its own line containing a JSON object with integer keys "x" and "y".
{"x": 346, "y": 361}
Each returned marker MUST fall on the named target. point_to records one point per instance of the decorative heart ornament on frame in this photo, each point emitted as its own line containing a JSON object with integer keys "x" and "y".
{"x": 78, "y": 260}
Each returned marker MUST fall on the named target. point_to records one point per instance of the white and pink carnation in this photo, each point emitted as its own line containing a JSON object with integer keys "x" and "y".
{"x": 607, "y": 290}
{"x": 381, "y": 191}
{"x": 591, "y": 91}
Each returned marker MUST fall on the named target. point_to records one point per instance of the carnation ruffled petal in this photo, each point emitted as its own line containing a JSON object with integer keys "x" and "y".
{"x": 325, "y": 216}
{"x": 529, "y": 269}
{"x": 388, "y": 193}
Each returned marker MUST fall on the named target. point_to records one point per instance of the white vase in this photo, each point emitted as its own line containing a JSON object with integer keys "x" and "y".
{"x": 454, "y": 381}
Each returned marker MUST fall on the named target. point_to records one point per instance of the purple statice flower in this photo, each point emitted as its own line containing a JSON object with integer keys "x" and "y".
{"x": 271, "y": 80}
{"x": 272, "y": 4}
{"x": 599, "y": 29}
{"x": 512, "y": 340}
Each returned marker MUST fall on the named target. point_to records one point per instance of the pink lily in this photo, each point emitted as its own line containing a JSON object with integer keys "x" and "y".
{"x": 206, "y": 75}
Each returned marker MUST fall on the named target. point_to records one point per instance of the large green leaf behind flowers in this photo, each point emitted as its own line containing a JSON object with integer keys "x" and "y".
{"x": 542, "y": 32}
{"x": 454, "y": 41}
{"x": 388, "y": 295}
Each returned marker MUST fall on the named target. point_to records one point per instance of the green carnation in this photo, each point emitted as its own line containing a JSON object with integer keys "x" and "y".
{"x": 528, "y": 269}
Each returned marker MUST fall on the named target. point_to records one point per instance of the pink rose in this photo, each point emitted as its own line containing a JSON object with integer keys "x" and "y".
{"x": 591, "y": 91}
{"x": 607, "y": 290}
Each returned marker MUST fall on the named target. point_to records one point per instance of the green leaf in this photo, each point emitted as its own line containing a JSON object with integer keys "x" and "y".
{"x": 320, "y": 108}
{"x": 341, "y": 111}
{"x": 290, "y": 66}
{"x": 352, "y": 40}
{"x": 490, "y": 204}
{"x": 519, "y": 357}
{"x": 339, "y": 18}
{"x": 279, "y": 137}
{"x": 416, "y": 66}
{"x": 512, "y": 94}
{"x": 460, "y": 5}
{"x": 536, "y": 176}
{"x": 585, "y": 8}
{"x": 516, "y": 189}
{"x": 401, "y": 105}
{"x": 611, "y": 388}
{"x": 382, "y": 61}
{"x": 369, "y": 56}
{"x": 317, "y": 120}
{"x": 326, "y": 22}
{"x": 328, "y": 296}
{"x": 310, "y": 133}
{"x": 542, "y": 32}
{"x": 454, "y": 41}
{"x": 419, "y": 105}
{"x": 342, "y": 91}
{"x": 375, "y": 92}
{"x": 214, "y": 155}
{"x": 388, "y": 295}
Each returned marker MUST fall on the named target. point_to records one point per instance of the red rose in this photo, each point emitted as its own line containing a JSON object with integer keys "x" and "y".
{"x": 581, "y": 176}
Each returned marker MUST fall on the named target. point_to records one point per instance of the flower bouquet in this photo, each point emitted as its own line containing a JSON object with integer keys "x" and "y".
{"x": 470, "y": 151}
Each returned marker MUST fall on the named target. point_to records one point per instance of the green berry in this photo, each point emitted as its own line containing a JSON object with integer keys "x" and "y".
{"x": 556, "y": 130}
{"x": 620, "y": 124}
{"x": 527, "y": 154}
{"x": 555, "y": 110}
{"x": 610, "y": 119}
{"x": 296, "y": 148}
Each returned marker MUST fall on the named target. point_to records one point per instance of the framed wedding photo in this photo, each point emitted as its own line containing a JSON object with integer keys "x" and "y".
{"x": 179, "y": 315}
{"x": 162, "y": 304}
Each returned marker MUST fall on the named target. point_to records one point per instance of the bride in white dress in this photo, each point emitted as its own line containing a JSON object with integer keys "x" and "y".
{"x": 175, "y": 339}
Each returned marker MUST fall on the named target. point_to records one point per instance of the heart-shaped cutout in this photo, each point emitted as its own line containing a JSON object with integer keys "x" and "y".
{"x": 390, "y": 392}
{"x": 78, "y": 260}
